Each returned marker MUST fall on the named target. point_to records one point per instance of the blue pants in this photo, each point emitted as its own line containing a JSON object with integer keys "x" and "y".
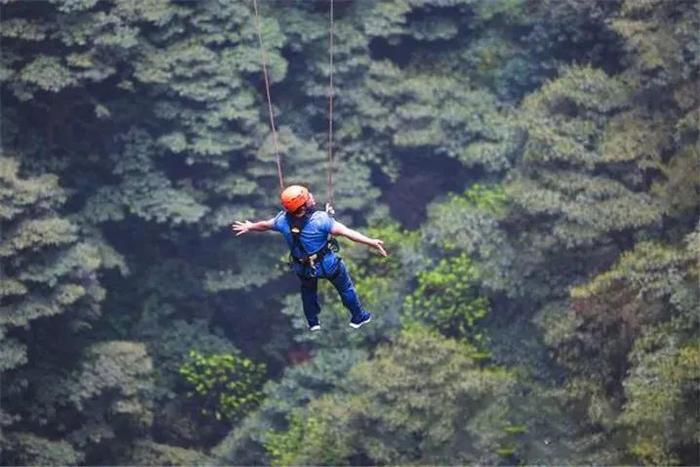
{"x": 342, "y": 283}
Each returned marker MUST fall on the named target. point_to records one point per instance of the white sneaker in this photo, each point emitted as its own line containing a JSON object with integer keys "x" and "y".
{"x": 315, "y": 327}
{"x": 367, "y": 319}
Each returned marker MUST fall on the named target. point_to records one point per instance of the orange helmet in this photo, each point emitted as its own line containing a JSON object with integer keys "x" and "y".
{"x": 293, "y": 197}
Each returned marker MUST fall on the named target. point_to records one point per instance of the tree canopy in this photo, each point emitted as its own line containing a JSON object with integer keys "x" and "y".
{"x": 533, "y": 168}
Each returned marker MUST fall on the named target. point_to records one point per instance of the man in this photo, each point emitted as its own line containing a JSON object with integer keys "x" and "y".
{"x": 307, "y": 232}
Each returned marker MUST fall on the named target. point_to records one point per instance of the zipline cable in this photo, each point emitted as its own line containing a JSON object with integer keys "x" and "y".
{"x": 263, "y": 60}
{"x": 331, "y": 91}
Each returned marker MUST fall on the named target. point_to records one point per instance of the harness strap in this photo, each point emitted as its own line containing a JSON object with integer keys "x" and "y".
{"x": 296, "y": 227}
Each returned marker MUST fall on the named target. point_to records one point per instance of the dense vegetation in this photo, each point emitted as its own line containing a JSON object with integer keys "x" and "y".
{"x": 533, "y": 167}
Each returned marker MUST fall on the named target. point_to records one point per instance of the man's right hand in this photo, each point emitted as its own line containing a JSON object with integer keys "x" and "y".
{"x": 241, "y": 227}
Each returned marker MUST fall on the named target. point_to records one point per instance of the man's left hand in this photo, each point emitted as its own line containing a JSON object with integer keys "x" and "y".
{"x": 379, "y": 246}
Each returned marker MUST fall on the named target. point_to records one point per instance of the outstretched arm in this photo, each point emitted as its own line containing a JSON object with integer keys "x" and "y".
{"x": 355, "y": 236}
{"x": 244, "y": 227}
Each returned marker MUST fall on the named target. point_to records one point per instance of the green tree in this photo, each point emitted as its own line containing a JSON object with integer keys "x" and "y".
{"x": 627, "y": 339}
{"x": 448, "y": 299}
{"x": 661, "y": 408}
{"x": 471, "y": 222}
{"x": 134, "y": 132}
{"x": 558, "y": 179}
{"x": 224, "y": 385}
{"x": 423, "y": 399}
{"x": 150, "y": 453}
{"x": 298, "y": 386}
{"x": 47, "y": 267}
{"x": 28, "y": 449}
{"x": 50, "y": 298}
{"x": 99, "y": 404}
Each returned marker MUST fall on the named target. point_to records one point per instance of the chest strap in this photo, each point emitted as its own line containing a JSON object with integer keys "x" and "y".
{"x": 296, "y": 226}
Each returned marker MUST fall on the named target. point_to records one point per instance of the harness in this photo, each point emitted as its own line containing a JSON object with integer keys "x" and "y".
{"x": 296, "y": 226}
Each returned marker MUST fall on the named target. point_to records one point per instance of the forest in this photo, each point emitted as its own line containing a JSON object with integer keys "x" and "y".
{"x": 532, "y": 166}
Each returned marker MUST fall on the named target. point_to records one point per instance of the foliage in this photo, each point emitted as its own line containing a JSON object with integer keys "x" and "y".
{"x": 621, "y": 333}
{"x": 547, "y": 149}
{"x": 101, "y": 403}
{"x": 298, "y": 386}
{"x": 660, "y": 40}
{"x": 283, "y": 446}
{"x": 471, "y": 222}
{"x": 29, "y": 449}
{"x": 50, "y": 287}
{"x": 47, "y": 268}
{"x": 423, "y": 399}
{"x": 150, "y": 453}
{"x": 559, "y": 179}
{"x": 225, "y": 385}
{"x": 448, "y": 299}
{"x": 662, "y": 398}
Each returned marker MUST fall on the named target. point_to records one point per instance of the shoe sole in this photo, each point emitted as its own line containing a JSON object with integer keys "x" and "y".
{"x": 358, "y": 325}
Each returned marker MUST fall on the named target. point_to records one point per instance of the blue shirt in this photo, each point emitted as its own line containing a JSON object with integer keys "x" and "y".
{"x": 314, "y": 236}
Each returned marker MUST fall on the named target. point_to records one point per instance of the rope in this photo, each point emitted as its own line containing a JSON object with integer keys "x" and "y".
{"x": 263, "y": 61}
{"x": 330, "y": 112}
